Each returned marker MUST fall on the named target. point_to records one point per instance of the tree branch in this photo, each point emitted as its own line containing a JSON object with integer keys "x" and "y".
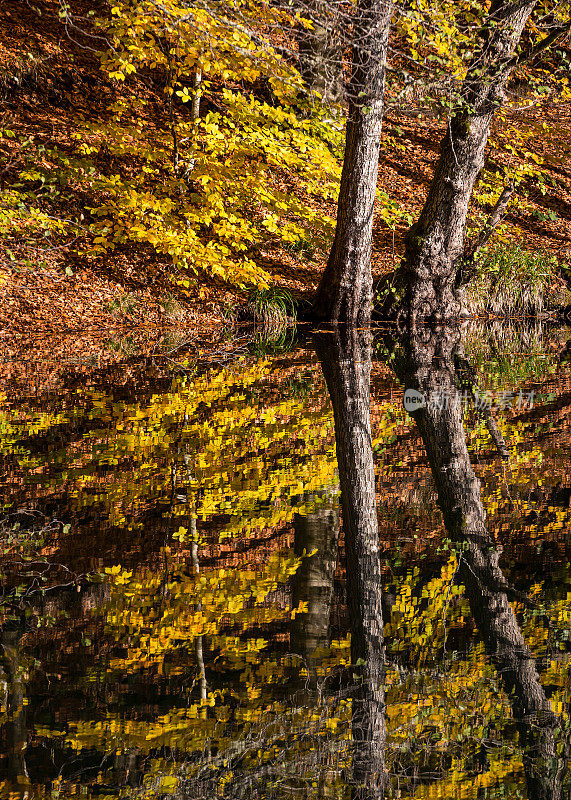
{"x": 494, "y": 219}
{"x": 517, "y": 61}
{"x": 467, "y": 267}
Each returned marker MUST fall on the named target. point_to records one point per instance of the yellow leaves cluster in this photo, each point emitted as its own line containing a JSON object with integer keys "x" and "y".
{"x": 461, "y": 784}
{"x": 18, "y": 218}
{"x": 253, "y": 483}
{"x": 419, "y": 621}
{"x": 435, "y": 34}
{"x": 221, "y": 199}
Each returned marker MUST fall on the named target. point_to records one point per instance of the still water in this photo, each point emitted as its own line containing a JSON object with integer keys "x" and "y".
{"x": 245, "y": 570}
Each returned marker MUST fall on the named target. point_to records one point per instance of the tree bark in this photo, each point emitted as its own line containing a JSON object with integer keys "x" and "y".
{"x": 428, "y": 366}
{"x": 346, "y": 362}
{"x": 435, "y": 243}
{"x": 345, "y": 290}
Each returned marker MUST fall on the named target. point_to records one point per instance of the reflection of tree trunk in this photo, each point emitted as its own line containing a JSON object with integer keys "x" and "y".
{"x": 313, "y": 582}
{"x": 429, "y": 367}
{"x": 346, "y": 361}
{"x": 193, "y": 536}
{"x": 198, "y": 652}
{"x": 125, "y": 767}
{"x": 15, "y": 706}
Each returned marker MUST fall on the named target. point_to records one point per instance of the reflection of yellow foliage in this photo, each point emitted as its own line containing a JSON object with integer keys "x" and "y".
{"x": 232, "y": 453}
{"x": 235, "y": 438}
{"x": 419, "y": 621}
{"x": 221, "y": 606}
{"x": 15, "y": 426}
{"x": 461, "y": 785}
{"x": 194, "y": 605}
{"x": 159, "y": 615}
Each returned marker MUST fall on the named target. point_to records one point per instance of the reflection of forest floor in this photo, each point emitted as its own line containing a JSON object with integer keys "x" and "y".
{"x": 133, "y": 286}
{"x": 48, "y": 363}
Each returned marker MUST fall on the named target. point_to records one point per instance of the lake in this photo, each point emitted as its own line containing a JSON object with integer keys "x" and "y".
{"x": 327, "y": 566}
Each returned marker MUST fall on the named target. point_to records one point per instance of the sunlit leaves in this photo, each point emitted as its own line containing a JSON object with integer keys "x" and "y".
{"x": 219, "y": 198}
{"x": 194, "y": 605}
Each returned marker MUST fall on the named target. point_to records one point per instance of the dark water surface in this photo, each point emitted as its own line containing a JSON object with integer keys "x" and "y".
{"x": 184, "y": 613}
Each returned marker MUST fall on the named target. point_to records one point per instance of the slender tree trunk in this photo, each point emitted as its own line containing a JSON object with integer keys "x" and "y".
{"x": 196, "y": 83}
{"x": 435, "y": 243}
{"x": 346, "y": 361}
{"x": 15, "y": 706}
{"x": 429, "y": 367}
{"x": 345, "y": 290}
{"x": 313, "y": 583}
{"x": 320, "y": 49}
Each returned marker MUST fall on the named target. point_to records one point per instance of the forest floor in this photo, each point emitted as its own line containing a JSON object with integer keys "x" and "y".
{"x": 50, "y": 78}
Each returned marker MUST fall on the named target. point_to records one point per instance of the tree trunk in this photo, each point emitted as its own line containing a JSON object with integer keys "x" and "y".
{"x": 313, "y": 583}
{"x": 429, "y": 367}
{"x": 15, "y": 681}
{"x": 346, "y": 362}
{"x": 435, "y": 243}
{"x": 345, "y": 290}
{"x": 320, "y": 49}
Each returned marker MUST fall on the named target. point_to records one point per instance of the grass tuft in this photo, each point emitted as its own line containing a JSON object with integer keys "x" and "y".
{"x": 512, "y": 281}
{"x": 274, "y": 307}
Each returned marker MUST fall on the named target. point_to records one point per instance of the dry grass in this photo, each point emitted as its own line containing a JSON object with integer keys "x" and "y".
{"x": 512, "y": 281}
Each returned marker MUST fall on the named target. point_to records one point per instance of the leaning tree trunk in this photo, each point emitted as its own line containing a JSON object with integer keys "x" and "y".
{"x": 435, "y": 243}
{"x": 345, "y": 290}
{"x": 346, "y": 362}
{"x": 429, "y": 366}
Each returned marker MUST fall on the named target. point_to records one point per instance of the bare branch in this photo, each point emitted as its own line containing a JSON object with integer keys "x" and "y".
{"x": 539, "y": 47}
{"x": 494, "y": 219}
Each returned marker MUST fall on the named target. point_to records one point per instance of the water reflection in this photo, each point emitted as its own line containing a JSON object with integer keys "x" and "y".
{"x": 316, "y": 540}
{"x": 428, "y": 363}
{"x": 14, "y": 702}
{"x": 184, "y": 616}
{"x": 346, "y": 359}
